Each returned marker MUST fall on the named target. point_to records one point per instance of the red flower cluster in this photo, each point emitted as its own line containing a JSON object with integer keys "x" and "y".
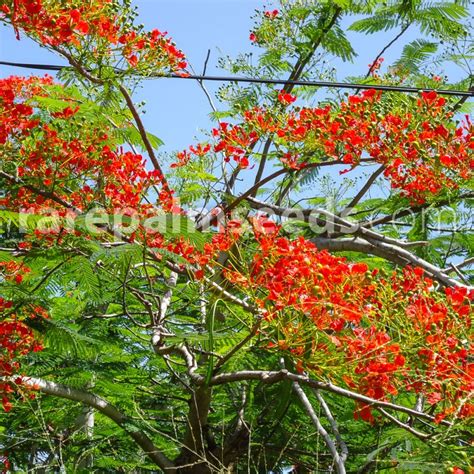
{"x": 13, "y": 271}
{"x": 378, "y": 361}
{"x": 235, "y": 142}
{"x": 84, "y": 171}
{"x": 297, "y": 275}
{"x": 16, "y": 341}
{"x": 16, "y": 116}
{"x": 388, "y": 334}
{"x": 444, "y": 371}
{"x": 285, "y": 98}
{"x": 73, "y": 24}
{"x": 199, "y": 151}
{"x": 262, "y": 120}
{"x": 199, "y": 258}
{"x": 422, "y": 155}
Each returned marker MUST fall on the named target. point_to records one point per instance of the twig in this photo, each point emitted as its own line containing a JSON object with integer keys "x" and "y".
{"x": 239, "y": 346}
{"x": 406, "y": 427}
{"x": 261, "y": 166}
{"x": 203, "y": 86}
{"x": 460, "y": 274}
{"x": 466, "y": 263}
{"x": 338, "y": 462}
{"x": 385, "y": 49}
{"x": 144, "y": 136}
{"x": 356, "y": 199}
{"x": 344, "y": 452}
{"x": 303, "y": 62}
{"x": 136, "y": 116}
{"x": 40, "y": 192}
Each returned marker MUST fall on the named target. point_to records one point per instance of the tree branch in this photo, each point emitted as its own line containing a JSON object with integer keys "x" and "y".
{"x": 415, "y": 210}
{"x": 385, "y": 49}
{"x": 303, "y": 62}
{"x": 239, "y": 346}
{"x": 144, "y": 136}
{"x": 339, "y": 463}
{"x": 271, "y": 177}
{"x": 389, "y": 252}
{"x": 466, "y": 263}
{"x": 158, "y": 323}
{"x": 406, "y": 427}
{"x": 269, "y": 376}
{"x": 107, "y": 409}
{"x": 261, "y": 166}
{"x": 344, "y": 452}
{"x": 372, "y": 243}
{"x": 40, "y": 192}
{"x": 356, "y": 199}
{"x": 343, "y": 225}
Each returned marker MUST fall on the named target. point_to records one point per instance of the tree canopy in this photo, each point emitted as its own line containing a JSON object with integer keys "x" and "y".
{"x": 292, "y": 292}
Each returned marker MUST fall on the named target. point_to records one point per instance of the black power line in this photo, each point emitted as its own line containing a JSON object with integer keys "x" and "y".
{"x": 326, "y": 84}
{"x": 44, "y": 67}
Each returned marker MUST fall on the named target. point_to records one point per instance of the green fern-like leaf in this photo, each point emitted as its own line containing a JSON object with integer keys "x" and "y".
{"x": 415, "y": 53}
{"x": 375, "y": 24}
{"x": 63, "y": 339}
{"x": 26, "y": 221}
{"x": 335, "y": 42}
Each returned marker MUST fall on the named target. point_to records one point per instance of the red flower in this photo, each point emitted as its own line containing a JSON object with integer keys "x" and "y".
{"x": 243, "y": 162}
{"x": 82, "y": 27}
{"x": 271, "y": 14}
{"x": 75, "y": 15}
{"x": 418, "y": 271}
{"x": 133, "y": 60}
{"x": 33, "y": 7}
{"x": 285, "y": 98}
{"x": 359, "y": 268}
{"x": 199, "y": 274}
{"x": 446, "y": 160}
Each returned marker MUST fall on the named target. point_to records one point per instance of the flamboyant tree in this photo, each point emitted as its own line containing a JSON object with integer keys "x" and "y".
{"x": 294, "y": 290}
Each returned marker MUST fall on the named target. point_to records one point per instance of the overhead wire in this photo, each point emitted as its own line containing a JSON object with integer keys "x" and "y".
{"x": 307, "y": 83}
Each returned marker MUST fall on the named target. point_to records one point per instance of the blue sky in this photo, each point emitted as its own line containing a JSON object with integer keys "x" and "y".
{"x": 176, "y": 109}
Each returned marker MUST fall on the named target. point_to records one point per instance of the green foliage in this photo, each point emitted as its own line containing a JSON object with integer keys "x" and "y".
{"x": 416, "y": 53}
{"x": 105, "y": 298}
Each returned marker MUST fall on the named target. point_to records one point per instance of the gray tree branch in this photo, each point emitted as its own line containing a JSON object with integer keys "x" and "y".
{"x": 269, "y": 376}
{"x": 338, "y": 462}
{"x": 107, "y": 409}
{"x": 344, "y": 452}
{"x": 369, "y": 242}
